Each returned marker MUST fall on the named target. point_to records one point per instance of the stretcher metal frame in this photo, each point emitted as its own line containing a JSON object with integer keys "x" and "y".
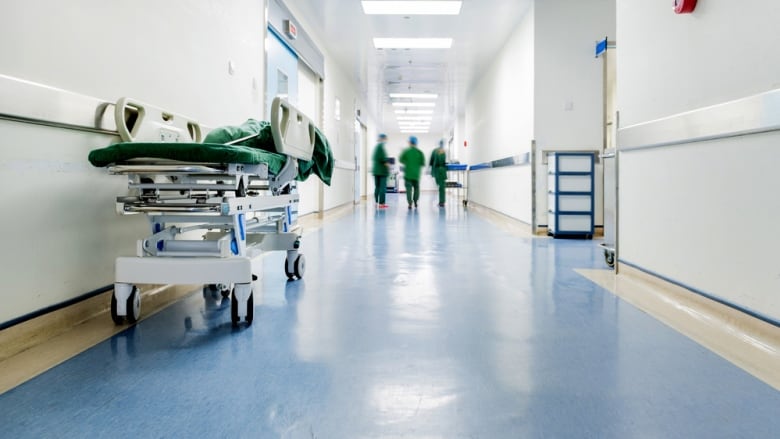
{"x": 210, "y": 222}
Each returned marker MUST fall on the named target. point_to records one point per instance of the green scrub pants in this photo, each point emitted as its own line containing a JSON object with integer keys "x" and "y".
{"x": 412, "y": 191}
{"x": 380, "y": 188}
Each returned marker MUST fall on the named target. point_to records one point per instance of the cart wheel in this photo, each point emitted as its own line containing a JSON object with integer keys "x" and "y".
{"x": 225, "y": 291}
{"x": 250, "y": 308}
{"x": 114, "y": 316}
{"x": 290, "y": 274}
{"x": 465, "y": 203}
{"x": 300, "y": 266}
{"x": 134, "y": 305}
{"x": 609, "y": 258}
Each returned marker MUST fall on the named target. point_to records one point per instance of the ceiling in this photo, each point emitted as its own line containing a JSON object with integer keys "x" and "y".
{"x": 478, "y": 34}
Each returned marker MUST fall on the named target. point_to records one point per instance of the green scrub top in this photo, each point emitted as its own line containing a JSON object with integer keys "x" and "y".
{"x": 413, "y": 160}
{"x": 438, "y": 165}
{"x": 379, "y": 159}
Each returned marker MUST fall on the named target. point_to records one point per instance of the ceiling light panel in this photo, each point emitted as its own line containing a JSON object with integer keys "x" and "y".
{"x": 414, "y": 118}
{"x": 411, "y": 7}
{"x": 413, "y": 111}
{"x": 412, "y": 43}
{"x": 414, "y": 104}
{"x": 413, "y": 96}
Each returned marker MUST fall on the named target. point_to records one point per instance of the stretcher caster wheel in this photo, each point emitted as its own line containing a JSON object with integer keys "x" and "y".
{"x": 132, "y": 307}
{"x": 224, "y": 290}
{"x": 609, "y": 258}
{"x": 290, "y": 274}
{"x": 114, "y": 316}
{"x": 250, "y": 309}
{"x": 298, "y": 268}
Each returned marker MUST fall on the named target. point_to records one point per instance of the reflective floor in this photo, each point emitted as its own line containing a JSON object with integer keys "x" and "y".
{"x": 430, "y": 323}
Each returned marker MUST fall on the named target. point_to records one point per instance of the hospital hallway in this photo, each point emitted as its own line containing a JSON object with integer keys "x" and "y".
{"x": 426, "y": 323}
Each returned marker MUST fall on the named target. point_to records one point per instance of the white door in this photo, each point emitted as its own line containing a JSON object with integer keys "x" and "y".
{"x": 308, "y": 103}
{"x": 358, "y": 155}
{"x": 281, "y": 72}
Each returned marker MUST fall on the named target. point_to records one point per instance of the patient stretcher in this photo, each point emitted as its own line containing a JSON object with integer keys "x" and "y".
{"x": 210, "y": 220}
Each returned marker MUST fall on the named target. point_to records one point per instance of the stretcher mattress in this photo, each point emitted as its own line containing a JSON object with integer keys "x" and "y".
{"x": 255, "y": 150}
{"x": 186, "y": 152}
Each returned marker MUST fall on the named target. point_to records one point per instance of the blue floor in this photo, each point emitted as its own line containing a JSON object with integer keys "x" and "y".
{"x": 423, "y": 324}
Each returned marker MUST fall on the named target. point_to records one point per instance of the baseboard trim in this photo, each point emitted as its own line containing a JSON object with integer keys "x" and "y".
{"x": 55, "y": 307}
{"x": 44, "y": 327}
{"x": 710, "y": 296}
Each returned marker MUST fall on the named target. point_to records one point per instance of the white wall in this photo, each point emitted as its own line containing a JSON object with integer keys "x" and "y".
{"x": 569, "y": 83}
{"x": 500, "y": 124}
{"x": 670, "y": 63}
{"x": 157, "y": 52}
{"x": 701, "y": 214}
{"x": 341, "y": 85}
{"x": 62, "y": 234}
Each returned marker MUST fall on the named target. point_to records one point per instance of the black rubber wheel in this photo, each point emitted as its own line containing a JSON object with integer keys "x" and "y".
{"x": 300, "y": 266}
{"x": 609, "y": 258}
{"x": 250, "y": 308}
{"x": 290, "y": 274}
{"x": 225, "y": 293}
{"x": 114, "y": 316}
{"x": 234, "y": 309}
{"x": 134, "y": 305}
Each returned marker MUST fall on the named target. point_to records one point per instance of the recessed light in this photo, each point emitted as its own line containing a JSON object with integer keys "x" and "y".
{"x": 414, "y": 117}
{"x": 413, "y": 111}
{"x": 413, "y": 95}
{"x": 412, "y": 43}
{"x": 414, "y": 104}
{"x": 411, "y": 7}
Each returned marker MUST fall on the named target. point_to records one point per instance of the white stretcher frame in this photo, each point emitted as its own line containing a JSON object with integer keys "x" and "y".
{"x": 217, "y": 199}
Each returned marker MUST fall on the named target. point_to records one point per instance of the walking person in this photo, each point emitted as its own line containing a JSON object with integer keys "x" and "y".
{"x": 438, "y": 165}
{"x": 413, "y": 160}
{"x": 381, "y": 170}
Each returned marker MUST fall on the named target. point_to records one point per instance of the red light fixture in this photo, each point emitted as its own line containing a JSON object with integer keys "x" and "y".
{"x": 684, "y": 6}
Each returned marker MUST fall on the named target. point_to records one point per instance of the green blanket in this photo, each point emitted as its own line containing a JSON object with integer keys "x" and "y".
{"x": 258, "y": 149}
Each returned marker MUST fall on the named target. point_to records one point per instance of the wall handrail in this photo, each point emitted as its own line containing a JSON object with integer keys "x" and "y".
{"x": 754, "y": 114}
{"x": 33, "y": 103}
{"x": 523, "y": 159}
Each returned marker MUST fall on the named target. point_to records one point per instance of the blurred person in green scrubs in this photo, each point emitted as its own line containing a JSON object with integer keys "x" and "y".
{"x": 413, "y": 160}
{"x": 380, "y": 169}
{"x": 438, "y": 164}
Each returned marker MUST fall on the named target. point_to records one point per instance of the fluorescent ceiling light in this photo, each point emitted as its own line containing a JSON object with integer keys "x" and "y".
{"x": 414, "y": 104}
{"x": 413, "y": 111}
{"x": 413, "y": 96}
{"x": 412, "y": 43}
{"x": 413, "y": 118}
{"x": 414, "y": 132}
{"x": 411, "y": 7}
